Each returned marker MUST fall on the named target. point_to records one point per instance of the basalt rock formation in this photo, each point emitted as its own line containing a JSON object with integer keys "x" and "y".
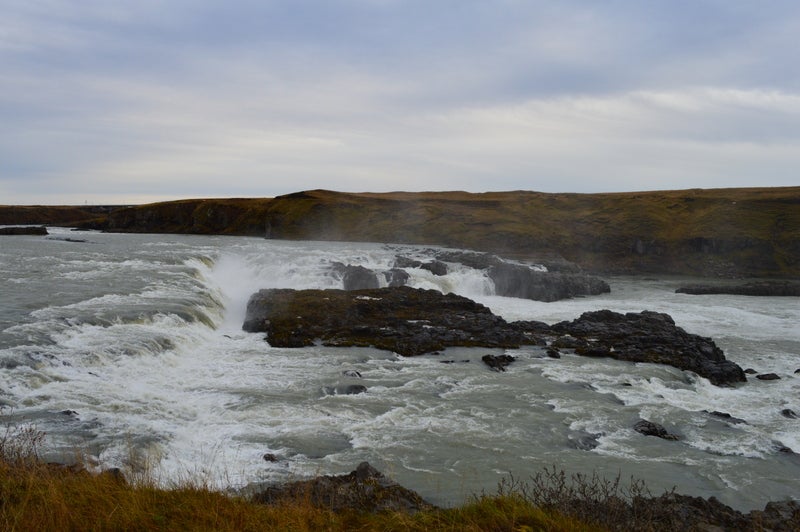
{"x": 365, "y": 489}
{"x": 23, "y": 230}
{"x": 405, "y": 320}
{"x": 756, "y": 288}
{"x": 549, "y": 281}
{"x": 412, "y": 322}
{"x": 649, "y": 337}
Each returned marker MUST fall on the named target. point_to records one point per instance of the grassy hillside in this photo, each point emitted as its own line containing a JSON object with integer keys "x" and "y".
{"x": 717, "y": 232}
{"x": 51, "y": 215}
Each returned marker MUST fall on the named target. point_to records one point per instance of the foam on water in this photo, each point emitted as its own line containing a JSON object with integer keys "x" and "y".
{"x": 142, "y": 338}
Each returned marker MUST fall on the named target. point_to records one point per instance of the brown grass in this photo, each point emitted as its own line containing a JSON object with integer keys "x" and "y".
{"x": 40, "y": 497}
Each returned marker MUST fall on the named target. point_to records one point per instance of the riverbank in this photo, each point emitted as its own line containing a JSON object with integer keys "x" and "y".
{"x": 752, "y": 232}
{"x": 43, "y": 497}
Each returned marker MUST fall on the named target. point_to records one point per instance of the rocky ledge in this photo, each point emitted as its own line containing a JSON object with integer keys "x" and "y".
{"x": 510, "y": 278}
{"x": 365, "y": 489}
{"x": 412, "y": 322}
{"x": 24, "y": 230}
{"x": 647, "y": 337}
{"x": 405, "y": 320}
{"x": 756, "y": 288}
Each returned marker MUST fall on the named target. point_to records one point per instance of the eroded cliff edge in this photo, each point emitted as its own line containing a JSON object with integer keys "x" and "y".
{"x": 753, "y": 232}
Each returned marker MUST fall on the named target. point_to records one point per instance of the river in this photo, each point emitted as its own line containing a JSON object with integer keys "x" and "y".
{"x": 127, "y": 350}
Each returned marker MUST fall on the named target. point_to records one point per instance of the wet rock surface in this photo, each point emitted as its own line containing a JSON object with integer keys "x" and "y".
{"x": 757, "y": 288}
{"x": 498, "y": 362}
{"x": 512, "y": 279}
{"x": 365, "y": 489}
{"x": 355, "y": 277}
{"x": 649, "y": 337}
{"x": 404, "y": 320}
{"x": 412, "y": 322}
{"x": 24, "y": 230}
{"x": 649, "y": 428}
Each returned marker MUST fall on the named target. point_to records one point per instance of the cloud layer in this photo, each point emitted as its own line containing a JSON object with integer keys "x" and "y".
{"x": 109, "y": 102}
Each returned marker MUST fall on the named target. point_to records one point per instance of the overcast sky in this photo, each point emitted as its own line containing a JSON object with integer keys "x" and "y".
{"x": 105, "y": 101}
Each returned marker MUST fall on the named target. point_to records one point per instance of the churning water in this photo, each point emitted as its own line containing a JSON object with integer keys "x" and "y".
{"x": 128, "y": 349}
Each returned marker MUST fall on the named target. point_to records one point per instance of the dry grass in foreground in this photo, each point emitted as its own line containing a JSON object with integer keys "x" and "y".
{"x": 42, "y": 497}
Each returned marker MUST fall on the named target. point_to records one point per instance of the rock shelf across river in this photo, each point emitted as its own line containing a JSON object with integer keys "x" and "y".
{"x": 413, "y": 322}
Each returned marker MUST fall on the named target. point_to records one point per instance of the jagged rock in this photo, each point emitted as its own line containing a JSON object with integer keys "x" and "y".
{"x": 758, "y": 288}
{"x": 553, "y": 353}
{"x": 648, "y": 428}
{"x": 412, "y": 322}
{"x": 24, "y": 230}
{"x": 436, "y": 267}
{"x": 727, "y": 417}
{"x": 521, "y": 281}
{"x": 354, "y": 389}
{"x": 270, "y": 457}
{"x": 355, "y": 277}
{"x": 351, "y": 373}
{"x": 405, "y": 320}
{"x": 498, "y": 362}
{"x": 526, "y": 282}
{"x": 768, "y": 377}
{"x": 405, "y": 262}
{"x": 584, "y": 441}
{"x": 750, "y": 371}
{"x": 365, "y": 489}
{"x": 650, "y": 337}
{"x": 789, "y": 413}
{"x": 396, "y": 277}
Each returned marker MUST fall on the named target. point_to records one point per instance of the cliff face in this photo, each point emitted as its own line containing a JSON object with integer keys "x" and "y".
{"x": 718, "y": 232}
{"x": 52, "y": 215}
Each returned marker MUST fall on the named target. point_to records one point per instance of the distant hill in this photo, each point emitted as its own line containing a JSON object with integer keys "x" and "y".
{"x": 749, "y": 232}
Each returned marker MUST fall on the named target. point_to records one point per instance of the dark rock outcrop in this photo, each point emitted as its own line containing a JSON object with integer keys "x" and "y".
{"x": 24, "y": 230}
{"x": 521, "y": 281}
{"x": 436, "y": 267}
{"x": 412, "y": 322}
{"x": 649, "y": 337}
{"x": 404, "y": 320}
{"x": 768, "y": 377}
{"x": 727, "y": 417}
{"x": 758, "y": 288}
{"x": 396, "y": 277}
{"x": 648, "y": 428}
{"x": 365, "y": 490}
{"x": 498, "y": 362}
{"x": 355, "y": 277}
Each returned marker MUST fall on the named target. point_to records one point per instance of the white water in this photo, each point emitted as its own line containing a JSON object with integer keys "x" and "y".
{"x": 140, "y": 336}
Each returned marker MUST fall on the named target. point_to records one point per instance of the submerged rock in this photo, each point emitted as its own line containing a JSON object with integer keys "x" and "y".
{"x": 648, "y": 428}
{"x": 365, "y": 490}
{"x": 498, "y": 362}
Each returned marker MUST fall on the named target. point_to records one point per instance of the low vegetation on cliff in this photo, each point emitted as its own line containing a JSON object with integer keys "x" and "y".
{"x": 717, "y": 232}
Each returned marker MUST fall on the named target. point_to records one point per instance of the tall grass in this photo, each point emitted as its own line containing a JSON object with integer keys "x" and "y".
{"x": 42, "y": 497}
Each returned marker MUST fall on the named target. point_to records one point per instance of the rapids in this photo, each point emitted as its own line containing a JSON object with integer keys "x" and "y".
{"x": 128, "y": 351}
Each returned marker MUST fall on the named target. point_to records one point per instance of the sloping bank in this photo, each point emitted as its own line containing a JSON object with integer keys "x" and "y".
{"x": 752, "y": 232}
